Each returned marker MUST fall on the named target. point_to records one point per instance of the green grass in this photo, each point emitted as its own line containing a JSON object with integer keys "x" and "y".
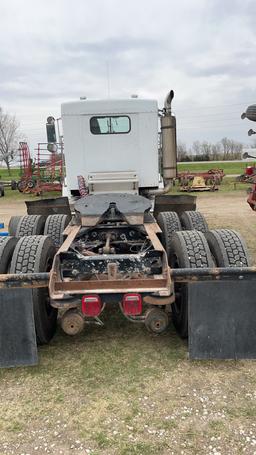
{"x": 15, "y": 195}
{"x": 14, "y": 174}
{"x": 232, "y": 167}
{"x": 121, "y": 390}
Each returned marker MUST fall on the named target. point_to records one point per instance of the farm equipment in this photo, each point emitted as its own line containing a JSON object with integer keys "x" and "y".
{"x": 200, "y": 181}
{"x": 42, "y": 174}
{"x": 213, "y": 176}
{"x": 197, "y": 184}
{"x": 126, "y": 243}
{"x": 250, "y": 176}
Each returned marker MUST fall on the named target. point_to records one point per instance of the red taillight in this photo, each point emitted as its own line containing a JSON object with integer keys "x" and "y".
{"x": 91, "y": 305}
{"x": 132, "y": 304}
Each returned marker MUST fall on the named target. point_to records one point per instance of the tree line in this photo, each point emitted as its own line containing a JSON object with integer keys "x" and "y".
{"x": 225, "y": 149}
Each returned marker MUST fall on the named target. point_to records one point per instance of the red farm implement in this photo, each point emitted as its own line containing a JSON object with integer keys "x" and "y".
{"x": 211, "y": 176}
{"x": 200, "y": 181}
{"x": 250, "y": 173}
{"x": 43, "y": 173}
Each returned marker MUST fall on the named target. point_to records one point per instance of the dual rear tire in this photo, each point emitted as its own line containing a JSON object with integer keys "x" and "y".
{"x": 20, "y": 226}
{"x": 34, "y": 254}
{"x": 31, "y": 252}
{"x": 169, "y": 222}
{"x": 228, "y": 248}
{"x": 189, "y": 249}
{"x": 191, "y": 220}
{"x": 197, "y": 247}
{"x": 53, "y": 226}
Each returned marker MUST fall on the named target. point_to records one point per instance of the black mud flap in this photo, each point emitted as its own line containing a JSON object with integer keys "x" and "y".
{"x": 17, "y": 329}
{"x": 178, "y": 203}
{"x": 46, "y": 207}
{"x": 222, "y": 320}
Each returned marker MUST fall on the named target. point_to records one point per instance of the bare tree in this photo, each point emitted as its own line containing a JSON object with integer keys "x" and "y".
{"x": 196, "y": 147}
{"x": 231, "y": 149}
{"x": 225, "y": 148}
{"x": 216, "y": 153}
{"x": 206, "y": 148}
{"x": 9, "y": 138}
{"x": 182, "y": 153}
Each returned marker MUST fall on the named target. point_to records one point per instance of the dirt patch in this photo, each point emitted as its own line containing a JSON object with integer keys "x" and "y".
{"x": 10, "y": 208}
{"x": 230, "y": 211}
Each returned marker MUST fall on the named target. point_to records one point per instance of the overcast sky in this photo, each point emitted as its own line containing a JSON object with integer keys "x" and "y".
{"x": 52, "y": 51}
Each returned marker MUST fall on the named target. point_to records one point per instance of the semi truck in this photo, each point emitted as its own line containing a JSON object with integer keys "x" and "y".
{"x": 118, "y": 236}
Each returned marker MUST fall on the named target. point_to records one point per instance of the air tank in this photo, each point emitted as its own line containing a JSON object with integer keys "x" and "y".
{"x": 169, "y": 143}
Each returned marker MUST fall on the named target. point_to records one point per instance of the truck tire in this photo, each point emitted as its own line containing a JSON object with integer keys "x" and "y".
{"x": 191, "y": 220}
{"x": 13, "y": 224}
{"x": 189, "y": 249}
{"x": 35, "y": 253}
{"x": 228, "y": 248}
{"x": 30, "y": 225}
{"x": 7, "y": 245}
{"x": 54, "y": 227}
{"x": 169, "y": 223}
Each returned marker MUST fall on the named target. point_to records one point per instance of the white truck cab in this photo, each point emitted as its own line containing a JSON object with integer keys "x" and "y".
{"x": 113, "y": 144}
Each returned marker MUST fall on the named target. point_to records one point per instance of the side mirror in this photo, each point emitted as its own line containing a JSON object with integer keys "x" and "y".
{"x": 246, "y": 155}
{"x": 50, "y": 130}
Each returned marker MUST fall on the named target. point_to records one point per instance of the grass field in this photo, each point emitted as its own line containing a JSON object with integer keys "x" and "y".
{"x": 231, "y": 167}
{"x": 119, "y": 390}
{"x": 15, "y": 195}
{"x": 15, "y": 174}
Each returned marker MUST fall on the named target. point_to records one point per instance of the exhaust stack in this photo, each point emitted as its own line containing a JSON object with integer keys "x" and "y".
{"x": 169, "y": 142}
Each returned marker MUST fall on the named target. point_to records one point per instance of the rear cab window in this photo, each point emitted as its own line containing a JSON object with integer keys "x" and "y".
{"x": 114, "y": 124}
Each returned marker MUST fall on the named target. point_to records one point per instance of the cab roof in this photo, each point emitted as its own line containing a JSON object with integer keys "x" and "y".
{"x": 107, "y": 106}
